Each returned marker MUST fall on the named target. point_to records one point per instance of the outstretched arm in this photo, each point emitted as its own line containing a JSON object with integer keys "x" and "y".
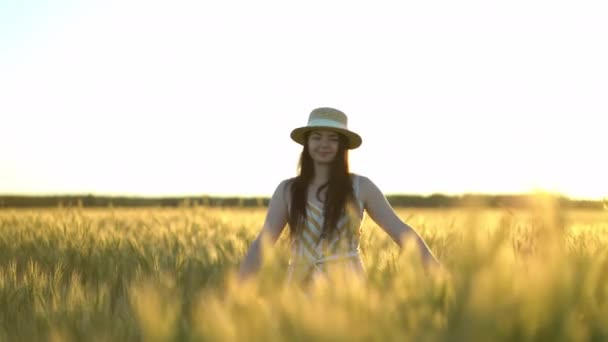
{"x": 383, "y": 214}
{"x": 276, "y": 219}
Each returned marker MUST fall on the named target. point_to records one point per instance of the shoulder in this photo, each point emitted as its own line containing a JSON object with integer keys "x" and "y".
{"x": 360, "y": 179}
{"x": 284, "y": 185}
{"x": 283, "y": 189}
{"x": 356, "y": 177}
{"x": 366, "y": 186}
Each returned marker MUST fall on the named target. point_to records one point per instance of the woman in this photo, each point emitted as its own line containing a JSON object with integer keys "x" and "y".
{"x": 324, "y": 206}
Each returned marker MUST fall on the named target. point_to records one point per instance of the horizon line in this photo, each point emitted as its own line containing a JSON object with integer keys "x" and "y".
{"x": 387, "y": 194}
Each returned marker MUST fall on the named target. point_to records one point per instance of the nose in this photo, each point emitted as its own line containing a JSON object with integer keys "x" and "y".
{"x": 325, "y": 142}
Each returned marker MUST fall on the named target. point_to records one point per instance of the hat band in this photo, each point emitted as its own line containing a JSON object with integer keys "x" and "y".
{"x": 326, "y": 123}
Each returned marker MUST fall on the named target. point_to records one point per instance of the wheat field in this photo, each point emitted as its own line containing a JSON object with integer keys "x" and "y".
{"x": 167, "y": 274}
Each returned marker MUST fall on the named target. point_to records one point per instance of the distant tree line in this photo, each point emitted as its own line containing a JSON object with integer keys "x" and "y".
{"x": 415, "y": 201}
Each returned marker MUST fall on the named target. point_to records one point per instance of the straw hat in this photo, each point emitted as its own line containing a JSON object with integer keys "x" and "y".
{"x": 330, "y": 119}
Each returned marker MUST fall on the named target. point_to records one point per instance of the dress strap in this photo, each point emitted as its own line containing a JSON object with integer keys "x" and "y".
{"x": 356, "y": 189}
{"x": 356, "y": 182}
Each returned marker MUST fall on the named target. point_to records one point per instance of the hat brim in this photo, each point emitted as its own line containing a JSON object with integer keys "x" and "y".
{"x": 299, "y": 135}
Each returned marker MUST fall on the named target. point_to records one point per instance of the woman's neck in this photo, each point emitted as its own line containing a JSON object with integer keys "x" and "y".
{"x": 321, "y": 174}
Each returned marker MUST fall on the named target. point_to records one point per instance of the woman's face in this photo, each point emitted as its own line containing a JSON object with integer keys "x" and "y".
{"x": 323, "y": 146}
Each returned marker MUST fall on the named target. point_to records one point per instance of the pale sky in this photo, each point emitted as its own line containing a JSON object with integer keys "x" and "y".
{"x": 199, "y": 97}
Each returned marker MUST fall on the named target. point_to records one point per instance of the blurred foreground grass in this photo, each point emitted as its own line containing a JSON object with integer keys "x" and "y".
{"x": 167, "y": 274}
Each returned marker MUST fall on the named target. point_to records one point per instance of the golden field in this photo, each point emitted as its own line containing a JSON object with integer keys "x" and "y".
{"x": 158, "y": 274}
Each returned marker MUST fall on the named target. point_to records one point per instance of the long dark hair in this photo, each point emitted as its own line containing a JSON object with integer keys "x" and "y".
{"x": 339, "y": 190}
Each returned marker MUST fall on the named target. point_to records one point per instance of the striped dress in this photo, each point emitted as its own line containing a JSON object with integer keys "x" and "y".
{"x": 312, "y": 256}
